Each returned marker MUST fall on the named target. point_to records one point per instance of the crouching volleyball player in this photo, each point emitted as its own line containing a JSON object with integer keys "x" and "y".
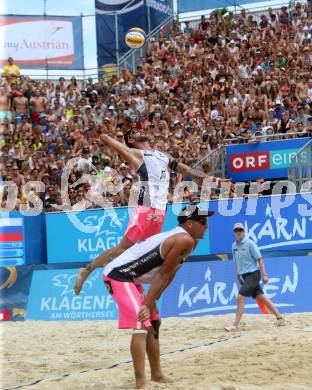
{"x": 154, "y": 261}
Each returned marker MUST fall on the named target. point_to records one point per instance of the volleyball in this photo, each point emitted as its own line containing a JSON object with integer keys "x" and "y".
{"x": 135, "y": 38}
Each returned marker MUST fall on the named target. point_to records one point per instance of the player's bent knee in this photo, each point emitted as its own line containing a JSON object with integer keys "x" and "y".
{"x": 156, "y": 325}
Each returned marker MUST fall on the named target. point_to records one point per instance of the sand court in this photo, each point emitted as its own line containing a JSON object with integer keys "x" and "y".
{"x": 260, "y": 356}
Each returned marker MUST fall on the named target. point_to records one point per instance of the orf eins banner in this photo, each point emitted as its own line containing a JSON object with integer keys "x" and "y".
{"x": 269, "y": 160}
{"x": 40, "y": 42}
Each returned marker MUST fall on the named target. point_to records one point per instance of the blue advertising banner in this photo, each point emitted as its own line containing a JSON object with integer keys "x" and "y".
{"x": 84, "y": 235}
{"x": 52, "y": 297}
{"x": 81, "y": 236}
{"x": 14, "y": 289}
{"x": 273, "y": 223}
{"x": 269, "y": 160}
{"x": 53, "y": 42}
{"x": 202, "y": 288}
{"x": 199, "y": 288}
{"x": 12, "y": 239}
{"x": 113, "y": 20}
{"x": 198, "y": 5}
{"x": 22, "y": 238}
{"x": 159, "y": 11}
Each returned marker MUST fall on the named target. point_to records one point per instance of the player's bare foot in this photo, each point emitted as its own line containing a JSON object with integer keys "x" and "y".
{"x": 140, "y": 383}
{"x": 161, "y": 378}
{"x": 81, "y": 277}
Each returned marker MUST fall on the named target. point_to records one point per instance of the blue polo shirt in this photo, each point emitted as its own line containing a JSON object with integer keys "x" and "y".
{"x": 245, "y": 254}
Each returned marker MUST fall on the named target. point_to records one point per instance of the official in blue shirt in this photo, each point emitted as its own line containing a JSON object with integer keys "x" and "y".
{"x": 250, "y": 267}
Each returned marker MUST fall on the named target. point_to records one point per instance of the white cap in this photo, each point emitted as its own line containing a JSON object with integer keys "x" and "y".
{"x": 176, "y": 122}
{"x": 259, "y": 67}
{"x": 238, "y": 225}
{"x": 306, "y": 28}
{"x": 232, "y": 41}
{"x": 214, "y": 114}
{"x": 278, "y": 102}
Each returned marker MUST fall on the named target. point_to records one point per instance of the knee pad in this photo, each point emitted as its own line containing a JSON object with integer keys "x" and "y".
{"x": 156, "y": 326}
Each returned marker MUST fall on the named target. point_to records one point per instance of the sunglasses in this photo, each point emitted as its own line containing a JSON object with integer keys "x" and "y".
{"x": 238, "y": 230}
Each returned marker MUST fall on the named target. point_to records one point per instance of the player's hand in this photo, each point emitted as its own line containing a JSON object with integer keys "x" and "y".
{"x": 144, "y": 313}
{"x": 81, "y": 278}
{"x": 265, "y": 279}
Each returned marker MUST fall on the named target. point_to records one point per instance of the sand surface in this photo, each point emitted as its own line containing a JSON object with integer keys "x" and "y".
{"x": 263, "y": 357}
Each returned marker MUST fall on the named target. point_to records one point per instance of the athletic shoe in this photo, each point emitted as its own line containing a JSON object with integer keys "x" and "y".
{"x": 231, "y": 328}
{"x": 280, "y": 322}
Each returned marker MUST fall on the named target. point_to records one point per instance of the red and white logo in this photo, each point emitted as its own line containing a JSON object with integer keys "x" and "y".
{"x": 249, "y": 161}
{"x": 5, "y": 315}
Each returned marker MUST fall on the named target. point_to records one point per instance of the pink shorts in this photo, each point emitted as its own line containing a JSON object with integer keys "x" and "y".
{"x": 129, "y": 298}
{"x": 144, "y": 223}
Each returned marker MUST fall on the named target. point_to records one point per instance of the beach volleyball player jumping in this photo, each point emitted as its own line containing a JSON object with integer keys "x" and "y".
{"x": 153, "y": 168}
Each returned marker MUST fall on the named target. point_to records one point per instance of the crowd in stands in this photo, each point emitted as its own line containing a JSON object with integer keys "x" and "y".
{"x": 232, "y": 79}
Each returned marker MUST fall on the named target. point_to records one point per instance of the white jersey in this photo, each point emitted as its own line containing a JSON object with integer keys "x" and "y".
{"x": 141, "y": 261}
{"x": 154, "y": 179}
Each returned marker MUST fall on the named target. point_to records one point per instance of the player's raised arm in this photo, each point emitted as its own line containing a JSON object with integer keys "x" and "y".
{"x": 178, "y": 166}
{"x": 189, "y": 171}
{"x": 181, "y": 247}
{"x": 132, "y": 156}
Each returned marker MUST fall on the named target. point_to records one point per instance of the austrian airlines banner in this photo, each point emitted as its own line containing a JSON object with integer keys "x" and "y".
{"x": 39, "y": 42}
{"x": 269, "y": 160}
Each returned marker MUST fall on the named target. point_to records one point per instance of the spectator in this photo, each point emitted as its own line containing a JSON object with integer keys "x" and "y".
{"x": 11, "y": 72}
{"x": 231, "y": 79}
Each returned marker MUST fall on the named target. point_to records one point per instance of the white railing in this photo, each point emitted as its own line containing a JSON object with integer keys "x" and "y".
{"x": 216, "y": 160}
{"x": 300, "y": 170}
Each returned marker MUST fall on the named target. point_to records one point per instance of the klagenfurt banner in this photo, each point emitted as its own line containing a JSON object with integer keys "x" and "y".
{"x": 53, "y": 42}
{"x": 274, "y": 223}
